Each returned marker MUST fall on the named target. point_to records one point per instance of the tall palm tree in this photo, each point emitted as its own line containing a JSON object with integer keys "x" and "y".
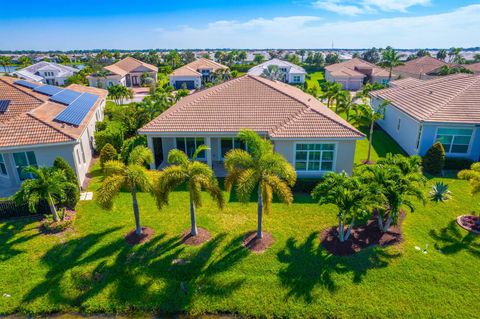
{"x": 345, "y": 103}
{"x": 391, "y": 59}
{"x": 102, "y": 74}
{"x": 47, "y": 184}
{"x": 5, "y": 61}
{"x": 133, "y": 177}
{"x": 348, "y": 194}
{"x": 259, "y": 167}
{"x": 196, "y": 175}
{"x": 367, "y": 116}
{"x": 331, "y": 92}
{"x": 393, "y": 190}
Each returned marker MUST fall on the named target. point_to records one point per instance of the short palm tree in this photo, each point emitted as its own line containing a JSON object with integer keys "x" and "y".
{"x": 47, "y": 184}
{"x": 331, "y": 92}
{"x": 196, "y": 175}
{"x": 133, "y": 177}
{"x": 367, "y": 116}
{"x": 274, "y": 73}
{"x": 391, "y": 59}
{"x": 345, "y": 103}
{"x": 440, "y": 192}
{"x": 348, "y": 194}
{"x": 259, "y": 167}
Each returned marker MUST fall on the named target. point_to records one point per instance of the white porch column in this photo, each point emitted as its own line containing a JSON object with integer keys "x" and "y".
{"x": 150, "y": 146}
{"x": 208, "y": 142}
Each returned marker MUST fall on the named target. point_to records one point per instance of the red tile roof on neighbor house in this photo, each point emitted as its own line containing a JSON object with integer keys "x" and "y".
{"x": 448, "y": 99}
{"x": 252, "y": 102}
{"x": 191, "y": 69}
{"x": 128, "y": 65}
{"x": 475, "y": 67}
{"x": 420, "y": 66}
{"x": 355, "y": 67}
{"x": 29, "y": 117}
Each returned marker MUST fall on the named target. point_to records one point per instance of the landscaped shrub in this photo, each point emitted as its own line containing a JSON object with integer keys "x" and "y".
{"x": 112, "y": 134}
{"x": 434, "y": 159}
{"x": 72, "y": 191}
{"x": 305, "y": 185}
{"x": 458, "y": 163}
{"x": 130, "y": 144}
{"x": 108, "y": 153}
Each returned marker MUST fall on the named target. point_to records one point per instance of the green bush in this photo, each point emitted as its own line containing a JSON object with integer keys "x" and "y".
{"x": 458, "y": 163}
{"x": 108, "y": 153}
{"x": 72, "y": 192}
{"x": 434, "y": 159}
{"x": 305, "y": 185}
{"x": 112, "y": 134}
{"x": 130, "y": 144}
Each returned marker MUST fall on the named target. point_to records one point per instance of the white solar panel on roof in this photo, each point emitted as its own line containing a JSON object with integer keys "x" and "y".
{"x": 65, "y": 96}
{"x": 75, "y": 113}
{"x": 27, "y": 84}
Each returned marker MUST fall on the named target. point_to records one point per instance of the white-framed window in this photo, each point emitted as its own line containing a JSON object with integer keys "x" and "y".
{"x": 189, "y": 145}
{"x": 230, "y": 143}
{"x": 399, "y": 123}
{"x": 3, "y": 167}
{"x": 455, "y": 140}
{"x": 296, "y": 78}
{"x": 22, "y": 160}
{"x": 314, "y": 157}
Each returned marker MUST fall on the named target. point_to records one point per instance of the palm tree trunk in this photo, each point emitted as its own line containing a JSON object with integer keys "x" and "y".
{"x": 136, "y": 212}
{"x": 193, "y": 219}
{"x": 341, "y": 230}
{"x": 53, "y": 210}
{"x": 390, "y": 74}
{"x": 350, "y": 228}
{"x": 260, "y": 212}
{"x": 370, "y": 142}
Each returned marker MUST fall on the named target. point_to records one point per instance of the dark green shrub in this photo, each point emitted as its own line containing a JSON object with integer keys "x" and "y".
{"x": 458, "y": 163}
{"x": 130, "y": 144}
{"x": 305, "y": 185}
{"x": 101, "y": 125}
{"x": 108, "y": 153}
{"x": 434, "y": 159}
{"x": 72, "y": 191}
{"x": 112, "y": 134}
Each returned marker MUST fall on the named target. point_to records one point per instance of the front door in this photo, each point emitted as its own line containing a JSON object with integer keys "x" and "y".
{"x": 135, "y": 80}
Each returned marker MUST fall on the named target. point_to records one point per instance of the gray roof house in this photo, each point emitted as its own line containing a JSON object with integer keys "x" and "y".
{"x": 46, "y": 72}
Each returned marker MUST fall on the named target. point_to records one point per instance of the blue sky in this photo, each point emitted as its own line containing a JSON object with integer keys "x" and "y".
{"x": 53, "y": 24}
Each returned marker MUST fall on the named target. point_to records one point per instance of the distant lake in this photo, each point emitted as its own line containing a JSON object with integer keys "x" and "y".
{"x": 10, "y": 68}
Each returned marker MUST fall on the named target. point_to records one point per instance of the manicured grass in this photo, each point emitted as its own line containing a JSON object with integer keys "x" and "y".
{"x": 92, "y": 269}
{"x": 315, "y": 79}
{"x": 382, "y": 145}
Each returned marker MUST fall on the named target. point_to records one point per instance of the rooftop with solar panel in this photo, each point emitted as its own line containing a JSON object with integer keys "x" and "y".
{"x": 33, "y": 113}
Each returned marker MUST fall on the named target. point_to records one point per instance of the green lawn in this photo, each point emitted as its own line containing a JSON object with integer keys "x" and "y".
{"x": 315, "y": 79}
{"x": 91, "y": 269}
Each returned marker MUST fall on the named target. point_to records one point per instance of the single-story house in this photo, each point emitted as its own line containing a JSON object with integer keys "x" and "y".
{"x": 40, "y": 122}
{"x": 194, "y": 74}
{"x": 422, "y": 68}
{"x": 127, "y": 72}
{"x": 445, "y": 109}
{"x": 474, "y": 67}
{"x": 354, "y": 73}
{"x": 46, "y": 72}
{"x": 311, "y": 137}
{"x": 405, "y": 82}
{"x": 293, "y": 73}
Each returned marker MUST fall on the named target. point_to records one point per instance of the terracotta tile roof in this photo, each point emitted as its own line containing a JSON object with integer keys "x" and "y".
{"x": 192, "y": 68}
{"x": 405, "y": 82}
{"x": 354, "y": 67}
{"x": 29, "y": 119}
{"x": 475, "y": 67}
{"x": 128, "y": 65}
{"x": 420, "y": 66}
{"x": 451, "y": 99}
{"x": 252, "y": 102}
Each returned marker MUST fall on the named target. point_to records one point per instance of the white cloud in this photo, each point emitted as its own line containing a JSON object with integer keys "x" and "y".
{"x": 455, "y": 28}
{"x": 353, "y": 8}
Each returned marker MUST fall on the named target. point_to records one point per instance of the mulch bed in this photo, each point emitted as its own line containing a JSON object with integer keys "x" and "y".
{"x": 470, "y": 223}
{"x": 202, "y": 236}
{"x": 133, "y": 239}
{"x": 252, "y": 243}
{"x": 361, "y": 237}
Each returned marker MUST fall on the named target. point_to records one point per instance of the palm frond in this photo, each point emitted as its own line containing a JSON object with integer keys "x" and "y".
{"x": 170, "y": 178}
{"x": 109, "y": 189}
{"x": 280, "y": 188}
{"x": 247, "y": 180}
{"x": 267, "y": 197}
{"x": 137, "y": 176}
{"x": 114, "y": 167}
{"x": 141, "y": 155}
{"x": 178, "y": 157}
{"x": 201, "y": 148}
{"x": 238, "y": 159}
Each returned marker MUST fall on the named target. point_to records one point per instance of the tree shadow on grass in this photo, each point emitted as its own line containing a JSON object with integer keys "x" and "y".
{"x": 11, "y": 236}
{"x": 308, "y": 265}
{"x": 453, "y": 239}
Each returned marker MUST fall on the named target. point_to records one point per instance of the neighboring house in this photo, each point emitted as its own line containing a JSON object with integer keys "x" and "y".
{"x": 46, "y": 72}
{"x": 405, "y": 82}
{"x": 446, "y": 109}
{"x": 311, "y": 137}
{"x": 194, "y": 74}
{"x": 354, "y": 73}
{"x": 127, "y": 72}
{"x": 475, "y": 67}
{"x": 293, "y": 73}
{"x": 36, "y": 127}
{"x": 422, "y": 68}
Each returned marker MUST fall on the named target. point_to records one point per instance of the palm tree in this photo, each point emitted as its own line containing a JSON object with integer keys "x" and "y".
{"x": 442, "y": 54}
{"x": 393, "y": 190}
{"x": 367, "y": 116}
{"x": 133, "y": 177}
{"x": 391, "y": 59}
{"x": 196, "y": 175}
{"x": 47, "y": 184}
{"x": 345, "y": 103}
{"x": 407, "y": 164}
{"x": 102, "y": 74}
{"x": 473, "y": 176}
{"x": 331, "y": 92}
{"x": 5, "y": 61}
{"x": 274, "y": 73}
{"x": 259, "y": 167}
{"x": 348, "y": 194}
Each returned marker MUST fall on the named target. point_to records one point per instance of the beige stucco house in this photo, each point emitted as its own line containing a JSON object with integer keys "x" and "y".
{"x": 354, "y": 73}
{"x": 192, "y": 75}
{"x": 40, "y": 122}
{"x": 312, "y": 138}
